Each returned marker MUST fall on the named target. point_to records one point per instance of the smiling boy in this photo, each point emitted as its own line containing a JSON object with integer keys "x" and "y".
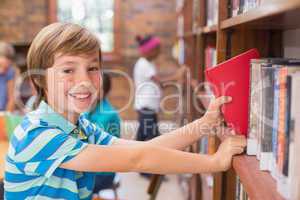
{"x": 55, "y": 151}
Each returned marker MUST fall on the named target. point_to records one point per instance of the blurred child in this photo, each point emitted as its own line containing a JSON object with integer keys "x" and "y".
{"x": 105, "y": 116}
{"x": 55, "y": 150}
{"x": 7, "y": 75}
{"x": 148, "y": 86}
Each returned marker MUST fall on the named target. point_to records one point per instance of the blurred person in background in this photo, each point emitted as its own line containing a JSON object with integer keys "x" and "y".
{"x": 148, "y": 86}
{"x": 7, "y": 77}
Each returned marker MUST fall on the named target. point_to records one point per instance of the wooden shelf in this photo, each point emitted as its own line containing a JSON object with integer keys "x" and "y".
{"x": 258, "y": 184}
{"x": 206, "y": 30}
{"x": 210, "y": 29}
{"x": 275, "y": 14}
{"x": 186, "y": 34}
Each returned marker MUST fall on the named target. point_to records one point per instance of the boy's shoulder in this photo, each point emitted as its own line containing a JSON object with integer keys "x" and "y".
{"x": 28, "y": 131}
{"x": 32, "y": 124}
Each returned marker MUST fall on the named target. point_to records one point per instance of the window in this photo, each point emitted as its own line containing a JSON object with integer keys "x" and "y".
{"x": 95, "y": 15}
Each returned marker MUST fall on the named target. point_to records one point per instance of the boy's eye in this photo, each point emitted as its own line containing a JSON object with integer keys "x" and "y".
{"x": 68, "y": 71}
{"x": 94, "y": 69}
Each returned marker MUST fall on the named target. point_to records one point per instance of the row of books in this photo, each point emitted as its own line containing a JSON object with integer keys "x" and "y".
{"x": 240, "y": 193}
{"x": 237, "y": 7}
{"x": 274, "y": 92}
{"x": 212, "y": 12}
{"x": 8, "y": 123}
{"x": 210, "y": 56}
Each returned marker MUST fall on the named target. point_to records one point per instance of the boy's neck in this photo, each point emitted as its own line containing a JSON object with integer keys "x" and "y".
{"x": 71, "y": 117}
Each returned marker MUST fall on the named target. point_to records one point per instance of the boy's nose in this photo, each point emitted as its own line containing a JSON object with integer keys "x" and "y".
{"x": 82, "y": 77}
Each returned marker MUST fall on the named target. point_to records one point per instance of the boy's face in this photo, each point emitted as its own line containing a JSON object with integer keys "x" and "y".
{"x": 4, "y": 64}
{"x": 73, "y": 83}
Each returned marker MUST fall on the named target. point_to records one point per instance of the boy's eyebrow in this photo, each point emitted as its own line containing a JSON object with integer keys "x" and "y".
{"x": 68, "y": 62}
{"x": 94, "y": 60}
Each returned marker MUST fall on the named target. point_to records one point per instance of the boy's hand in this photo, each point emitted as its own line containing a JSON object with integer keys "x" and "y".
{"x": 213, "y": 116}
{"x": 231, "y": 146}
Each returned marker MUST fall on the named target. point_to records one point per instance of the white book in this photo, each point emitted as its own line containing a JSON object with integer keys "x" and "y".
{"x": 294, "y": 148}
{"x": 265, "y": 161}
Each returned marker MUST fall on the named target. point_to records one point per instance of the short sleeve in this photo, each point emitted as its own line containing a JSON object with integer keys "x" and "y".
{"x": 145, "y": 69}
{"x": 103, "y": 138}
{"x": 99, "y": 135}
{"x": 10, "y": 74}
{"x": 48, "y": 149}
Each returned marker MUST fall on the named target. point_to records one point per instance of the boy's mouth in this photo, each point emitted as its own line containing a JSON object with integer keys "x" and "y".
{"x": 81, "y": 96}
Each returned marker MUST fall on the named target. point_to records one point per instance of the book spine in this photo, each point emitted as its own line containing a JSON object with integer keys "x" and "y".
{"x": 275, "y": 123}
{"x": 259, "y": 112}
{"x": 267, "y": 117}
{"x": 241, "y": 7}
{"x": 211, "y": 12}
{"x": 237, "y": 191}
{"x": 235, "y": 7}
{"x": 282, "y": 120}
{"x": 287, "y": 126}
{"x": 252, "y": 140}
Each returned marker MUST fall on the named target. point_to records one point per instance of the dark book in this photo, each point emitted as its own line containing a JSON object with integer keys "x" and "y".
{"x": 241, "y": 7}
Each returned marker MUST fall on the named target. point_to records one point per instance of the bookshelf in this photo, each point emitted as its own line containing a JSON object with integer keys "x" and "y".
{"x": 262, "y": 28}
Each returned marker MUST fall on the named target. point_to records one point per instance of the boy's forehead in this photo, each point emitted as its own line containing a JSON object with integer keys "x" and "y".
{"x": 87, "y": 57}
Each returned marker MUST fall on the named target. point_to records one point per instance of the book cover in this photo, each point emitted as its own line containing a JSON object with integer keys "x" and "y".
{"x": 254, "y": 106}
{"x": 232, "y": 78}
{"x": 294, "y": 146}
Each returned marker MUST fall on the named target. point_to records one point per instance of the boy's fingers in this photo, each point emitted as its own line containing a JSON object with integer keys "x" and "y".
{"x": 222, "y": 100}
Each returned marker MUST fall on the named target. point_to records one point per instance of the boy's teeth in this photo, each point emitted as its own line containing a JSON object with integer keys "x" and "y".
{"x": 81, "y": 96}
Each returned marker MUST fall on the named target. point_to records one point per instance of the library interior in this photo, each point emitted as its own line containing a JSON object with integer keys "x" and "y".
{"x": 150, "y": 99}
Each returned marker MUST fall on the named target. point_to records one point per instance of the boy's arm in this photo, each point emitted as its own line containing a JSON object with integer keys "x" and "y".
{"x": 153, "y": 159}
{"x": 183, "y": 137}
{"x": 10, "y": 95}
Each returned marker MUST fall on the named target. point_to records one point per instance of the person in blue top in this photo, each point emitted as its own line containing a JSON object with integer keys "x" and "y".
{"x": 56, "y": 151}
{"x": 106, "y": 117}
{"x": 7, "y": 75}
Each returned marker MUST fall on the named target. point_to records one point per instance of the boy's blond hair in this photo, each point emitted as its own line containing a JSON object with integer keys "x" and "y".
{"x": 7, "y": 50}
{"x": 54, "y": 39}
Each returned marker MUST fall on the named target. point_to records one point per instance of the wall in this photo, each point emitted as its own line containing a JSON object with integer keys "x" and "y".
{"x": 21, "y": 20}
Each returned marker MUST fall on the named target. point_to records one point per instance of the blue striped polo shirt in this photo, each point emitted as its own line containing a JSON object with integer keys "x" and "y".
{"x": 42, "y": 142}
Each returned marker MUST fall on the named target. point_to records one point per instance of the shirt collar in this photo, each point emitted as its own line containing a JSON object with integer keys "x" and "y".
{"x": 48, "y": 115}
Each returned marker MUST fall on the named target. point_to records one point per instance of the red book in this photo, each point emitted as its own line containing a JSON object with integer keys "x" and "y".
{"x": 232, "y": 78}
